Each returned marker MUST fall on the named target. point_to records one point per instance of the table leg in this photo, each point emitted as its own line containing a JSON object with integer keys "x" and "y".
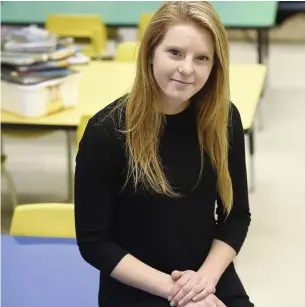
{"x": 70, "y": 174}
{"x": 251, "y": 148}
{"x": 262, "y": 45}
{"x": 10, "y": 182}
{"x": 263, "y": 55}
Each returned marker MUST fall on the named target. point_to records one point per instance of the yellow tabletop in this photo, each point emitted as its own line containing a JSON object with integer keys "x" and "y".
{"x": 102, "y": 82}
{"x": 246, "y": 85}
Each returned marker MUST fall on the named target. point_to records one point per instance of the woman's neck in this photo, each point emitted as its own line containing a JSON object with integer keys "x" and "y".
{"x": 172, "y": 108}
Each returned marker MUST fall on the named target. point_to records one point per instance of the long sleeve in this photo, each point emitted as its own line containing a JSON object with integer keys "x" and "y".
{"x": 233, "y": 229}
{"x": 98, "y": 165}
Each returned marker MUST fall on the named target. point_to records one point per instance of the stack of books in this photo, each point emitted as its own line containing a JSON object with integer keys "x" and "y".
{"x": 32, "y": 55}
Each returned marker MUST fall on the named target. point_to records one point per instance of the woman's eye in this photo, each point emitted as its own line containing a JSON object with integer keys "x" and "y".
{"x": 203, "y": 58}
{"x": 174, "y": 52}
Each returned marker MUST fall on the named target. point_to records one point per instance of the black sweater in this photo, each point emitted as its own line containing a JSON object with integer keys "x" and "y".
{"x": 163, "y": 232}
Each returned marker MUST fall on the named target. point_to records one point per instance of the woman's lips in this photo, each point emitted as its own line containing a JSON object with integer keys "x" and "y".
{"x": 182, "y": 82}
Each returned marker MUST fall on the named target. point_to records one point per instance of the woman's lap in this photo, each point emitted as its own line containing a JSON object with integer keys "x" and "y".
{"x": 231, "y": 291}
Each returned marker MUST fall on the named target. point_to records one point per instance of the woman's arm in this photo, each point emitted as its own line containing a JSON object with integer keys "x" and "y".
{"x": 231, "y": 231}
{"x": 218, "y": 259}
{"x": 137, "y": 274}
{"x": 98, "y": 167}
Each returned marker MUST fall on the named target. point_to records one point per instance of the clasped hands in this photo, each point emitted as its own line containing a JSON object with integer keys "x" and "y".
{"x": 193, "y": 290}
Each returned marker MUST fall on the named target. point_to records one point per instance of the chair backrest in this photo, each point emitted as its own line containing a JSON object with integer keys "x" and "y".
{"x": 81, "y": 128}
{"x": 44, "y": 220}
{"x": 80, "y": 27}
{"x": 143, "y": 22}
{"x": 127, "y": 52}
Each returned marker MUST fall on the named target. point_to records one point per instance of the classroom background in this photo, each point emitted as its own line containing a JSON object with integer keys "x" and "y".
{"x": 63, "y": 61}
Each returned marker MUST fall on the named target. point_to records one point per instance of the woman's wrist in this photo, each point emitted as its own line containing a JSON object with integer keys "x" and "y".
{"x": 164, "y": 285}
{"x": 209, "y": 274}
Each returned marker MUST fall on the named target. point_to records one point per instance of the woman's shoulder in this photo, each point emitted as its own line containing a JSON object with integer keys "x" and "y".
{"x": 103, "y": 141}
{"x": 105, "y": 129}
{"x": 236, "y": 130}
{"x": 110, "y": 119}
{"x": 234, "y": 112}
{"x": 235, "y": 121}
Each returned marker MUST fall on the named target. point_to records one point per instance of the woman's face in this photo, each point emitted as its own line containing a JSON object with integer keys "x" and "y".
{"x": 182, "y": 63}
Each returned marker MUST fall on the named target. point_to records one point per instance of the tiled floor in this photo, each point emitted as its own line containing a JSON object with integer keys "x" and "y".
{"x": 271, "y": 264}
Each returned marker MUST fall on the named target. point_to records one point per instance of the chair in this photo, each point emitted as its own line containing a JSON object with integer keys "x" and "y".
{"x": 80, "y": 27}
{"x": 44, "y": 220}
{"x": 127, "y": 52}
{"x": 143, "y": 23}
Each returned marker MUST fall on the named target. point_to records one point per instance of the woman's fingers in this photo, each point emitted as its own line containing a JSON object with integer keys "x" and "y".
{"x": 204, "y": 293}
{"x": 212, "y": 301}
{"x": 176, "y": 275}
{"x": 184, "y": 299}
{"x": 178, "y": 285}
{"x": 220, "y": 304}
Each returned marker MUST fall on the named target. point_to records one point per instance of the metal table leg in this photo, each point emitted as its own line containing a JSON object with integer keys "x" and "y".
{"x": 262, "y": 45}
{"x": 263, "y": 55}
{"x": 10, "y": 183}
{"x": 70, "y": 174}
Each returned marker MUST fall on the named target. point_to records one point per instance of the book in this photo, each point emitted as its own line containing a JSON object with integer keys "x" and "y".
{"x": 18, "y": 70}
{"x": 17, "y": 58}
{"x": 36, "y": 78}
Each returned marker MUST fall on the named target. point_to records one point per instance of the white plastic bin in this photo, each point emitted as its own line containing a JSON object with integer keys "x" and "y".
{"x": 40, "y": 99}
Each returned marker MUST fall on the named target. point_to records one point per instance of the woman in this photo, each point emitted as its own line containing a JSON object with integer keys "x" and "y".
{"x": 151, "y": 166}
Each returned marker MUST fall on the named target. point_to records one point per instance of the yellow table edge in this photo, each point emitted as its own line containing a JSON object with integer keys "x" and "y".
{"x": 238, "y": 96}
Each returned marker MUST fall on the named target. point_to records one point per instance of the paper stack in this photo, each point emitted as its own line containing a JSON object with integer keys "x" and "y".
{"x": 32, "y": 55}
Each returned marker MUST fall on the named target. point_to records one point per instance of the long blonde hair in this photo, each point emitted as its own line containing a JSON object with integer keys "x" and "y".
{"x": 144, "y": 122}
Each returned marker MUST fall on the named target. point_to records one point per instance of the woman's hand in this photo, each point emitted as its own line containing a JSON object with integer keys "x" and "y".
{"x": 190, "y": 286}
{"x": 210, "y": 301}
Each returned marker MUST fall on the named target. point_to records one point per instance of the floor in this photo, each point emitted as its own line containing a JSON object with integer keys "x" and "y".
{"x": 271, "y": 263}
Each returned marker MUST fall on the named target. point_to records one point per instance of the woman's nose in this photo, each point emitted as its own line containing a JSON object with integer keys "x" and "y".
{"x": 186, "y": 68}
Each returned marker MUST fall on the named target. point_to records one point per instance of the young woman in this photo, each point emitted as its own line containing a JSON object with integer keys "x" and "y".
{"x": 154, "y": 164}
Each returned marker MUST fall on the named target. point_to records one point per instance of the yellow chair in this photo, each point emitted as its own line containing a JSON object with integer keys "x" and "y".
{"x": 127, "y": 52}
{"x": 44, "y": 220}
{"x": 80, "y": 27}
{"x": 143, "y": 23}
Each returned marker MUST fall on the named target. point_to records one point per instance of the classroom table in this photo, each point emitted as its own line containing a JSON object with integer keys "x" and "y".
{"x": 46, "y": 272}
{"x": 244, "y": 15}
{"x": 102, "y": 82}
{"x": 250, "y": 15}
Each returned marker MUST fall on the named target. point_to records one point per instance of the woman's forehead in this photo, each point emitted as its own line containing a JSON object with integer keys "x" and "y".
{"x": 187, "y": 36}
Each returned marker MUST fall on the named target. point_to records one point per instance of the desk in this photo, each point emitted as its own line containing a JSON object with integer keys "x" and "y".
{"x": 103, "y": 82}
{"x": 46, "y": 272}
{"x": 250, "y": 15}
{"x": 256, "y": 15}
{"x": 100, "y": 84}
